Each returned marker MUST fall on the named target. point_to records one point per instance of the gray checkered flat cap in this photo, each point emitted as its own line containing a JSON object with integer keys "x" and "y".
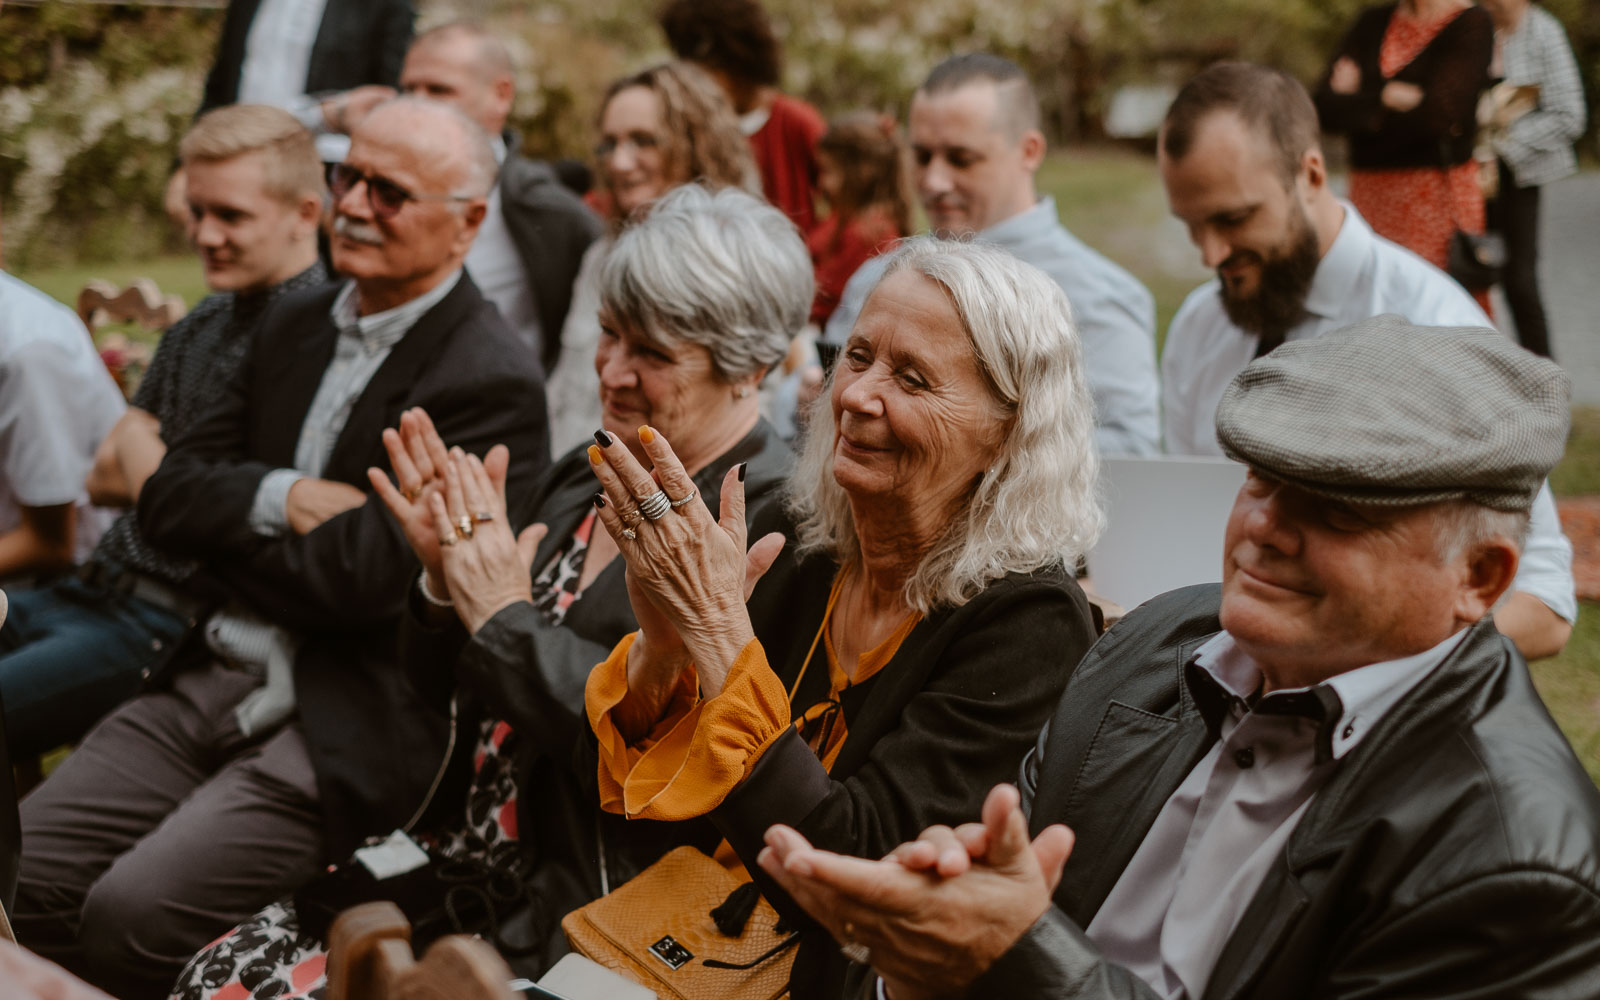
{"x": 1385, "y": 412}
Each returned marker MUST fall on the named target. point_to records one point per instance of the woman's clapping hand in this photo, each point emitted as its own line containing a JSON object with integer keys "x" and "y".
{"x": 443, "y": 497}
{"x": 688, "y": 573}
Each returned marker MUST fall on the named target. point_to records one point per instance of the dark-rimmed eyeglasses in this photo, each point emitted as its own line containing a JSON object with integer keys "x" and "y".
{"x": 384, "y": 197}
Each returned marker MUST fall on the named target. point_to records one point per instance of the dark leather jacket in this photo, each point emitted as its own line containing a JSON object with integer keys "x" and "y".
{"x": 1454, "y": 853}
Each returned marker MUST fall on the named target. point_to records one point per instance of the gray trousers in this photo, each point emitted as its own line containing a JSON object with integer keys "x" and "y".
{"x": 162, "y": 830}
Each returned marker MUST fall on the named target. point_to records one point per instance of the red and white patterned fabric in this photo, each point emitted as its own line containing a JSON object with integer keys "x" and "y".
{"x": 1419, "y": 208}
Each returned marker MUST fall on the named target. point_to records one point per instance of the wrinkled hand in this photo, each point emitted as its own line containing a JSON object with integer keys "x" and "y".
{"x": 418, "y": 457}
{"x": 693, "y": 571}
{"x": 314, "y": 502}
{"x": 1401, "y": 96}
{"x": 1345, "y": 77}
{"x": 488, "y": 568}
{"x": 29, "y": 977}
{"x": 937, "y": 912}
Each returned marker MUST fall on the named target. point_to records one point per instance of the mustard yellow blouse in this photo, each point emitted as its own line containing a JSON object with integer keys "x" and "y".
{"x": 701, "y": 749}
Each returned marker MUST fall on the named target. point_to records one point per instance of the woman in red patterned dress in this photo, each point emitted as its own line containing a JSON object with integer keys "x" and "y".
{"x": 1404, "y": 87}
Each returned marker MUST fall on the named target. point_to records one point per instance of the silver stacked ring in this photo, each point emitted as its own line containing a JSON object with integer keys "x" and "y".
{"x": 655, "y": 506}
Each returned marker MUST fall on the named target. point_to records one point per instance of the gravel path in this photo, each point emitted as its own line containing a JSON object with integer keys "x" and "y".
{"x": 1569, "y": 273}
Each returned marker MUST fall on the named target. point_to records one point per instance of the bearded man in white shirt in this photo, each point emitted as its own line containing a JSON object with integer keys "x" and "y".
{"x": 1241, "y": 159}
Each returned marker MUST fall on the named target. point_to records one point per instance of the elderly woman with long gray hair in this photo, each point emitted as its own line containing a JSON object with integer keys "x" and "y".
{"x": 913, "y": 616}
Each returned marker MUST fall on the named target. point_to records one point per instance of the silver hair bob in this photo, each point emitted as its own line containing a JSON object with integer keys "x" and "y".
{"x": 721, "y": 269}
{"x": 1036, "y": 505}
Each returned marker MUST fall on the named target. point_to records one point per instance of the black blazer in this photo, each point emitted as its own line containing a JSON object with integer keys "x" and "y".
{"x": 342, "y": 588}
{"x": 551, "y": 228}
{"x": 1452, "y": 71}
{"x": 358, "y": 41}
{"x": 1454, "y": 853}
{"x": 944, "y": 721}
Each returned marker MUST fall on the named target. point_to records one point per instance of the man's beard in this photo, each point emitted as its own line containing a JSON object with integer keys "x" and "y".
{"x": 1281, "y": 290}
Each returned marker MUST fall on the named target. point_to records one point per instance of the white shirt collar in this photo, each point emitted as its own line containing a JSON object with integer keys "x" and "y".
{"x": 1366, "y": 693}
{"x": 384, "y": 329}
{"x": 1022, "y": 225}
{"x": 1341, "y": 267}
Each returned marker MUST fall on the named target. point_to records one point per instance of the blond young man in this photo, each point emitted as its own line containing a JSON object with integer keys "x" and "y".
{"x": 73, "y": 651}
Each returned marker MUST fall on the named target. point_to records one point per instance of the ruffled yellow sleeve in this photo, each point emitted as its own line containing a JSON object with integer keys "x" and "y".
{"x": 698, "y": 751}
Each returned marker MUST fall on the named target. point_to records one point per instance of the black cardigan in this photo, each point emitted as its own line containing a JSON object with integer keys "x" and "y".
{"x": 947, "y": 718}
{"x": 1452, "y": 71}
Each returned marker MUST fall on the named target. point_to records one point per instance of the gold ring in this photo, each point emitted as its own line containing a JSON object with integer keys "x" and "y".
{"x": 629, "y": 534}
{"x": 447, "y": 539}
{"x": 464, "y": 526}
{"x": 412, "y": 494}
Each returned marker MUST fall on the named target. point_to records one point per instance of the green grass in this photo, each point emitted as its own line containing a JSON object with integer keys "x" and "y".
{"x": 176, "y": 274}
{"x": 1579, "y": 471}
{"x": 1570, "y": 686}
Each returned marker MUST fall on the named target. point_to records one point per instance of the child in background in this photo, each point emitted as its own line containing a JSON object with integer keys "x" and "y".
{"x": 862, "y": 171}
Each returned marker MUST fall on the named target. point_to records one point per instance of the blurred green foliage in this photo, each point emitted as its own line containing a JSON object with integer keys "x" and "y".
{"x": 93, "y": 97}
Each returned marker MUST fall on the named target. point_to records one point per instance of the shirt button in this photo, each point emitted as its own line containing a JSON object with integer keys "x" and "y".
{"x": 1244, "y": 757}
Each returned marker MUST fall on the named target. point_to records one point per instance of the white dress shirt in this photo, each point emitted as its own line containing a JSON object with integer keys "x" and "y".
{"x": 497, "y": 269}
{"x": 1176, "y": 904}
{"x": 57, "y": 403}
{"x": 1113, "y": 312}
{"x": 1362, "y": 275}
{"x": 277, "y": 59}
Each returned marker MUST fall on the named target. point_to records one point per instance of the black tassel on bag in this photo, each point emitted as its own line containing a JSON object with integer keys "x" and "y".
{"x": 735, "y": 911}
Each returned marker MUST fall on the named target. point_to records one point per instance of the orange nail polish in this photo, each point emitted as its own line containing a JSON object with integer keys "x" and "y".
{"x": 594, "y": 454}
{"x": 647, "y": 434}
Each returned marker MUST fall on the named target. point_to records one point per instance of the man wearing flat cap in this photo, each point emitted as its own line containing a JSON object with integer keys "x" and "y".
{"x": 1330, "y": 777}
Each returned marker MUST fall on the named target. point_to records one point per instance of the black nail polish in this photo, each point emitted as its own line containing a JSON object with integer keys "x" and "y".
{"x": 602, "y": 439}
{"x": 742, "y": 467}
{"x": 599, "y": 500}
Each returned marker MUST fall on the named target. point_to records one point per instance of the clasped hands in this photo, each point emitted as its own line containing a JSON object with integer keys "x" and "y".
{"x": 688, "y": 573}
{"x": 938, "y": 911}
{"x": 1397, "y": 95}
{"x": 452, "y": 507}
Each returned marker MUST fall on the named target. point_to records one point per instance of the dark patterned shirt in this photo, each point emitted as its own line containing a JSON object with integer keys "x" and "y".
{"x": 195, "y": 359}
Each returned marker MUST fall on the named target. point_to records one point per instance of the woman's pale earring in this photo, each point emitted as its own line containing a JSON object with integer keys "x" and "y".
{"x": 741, "y": 391}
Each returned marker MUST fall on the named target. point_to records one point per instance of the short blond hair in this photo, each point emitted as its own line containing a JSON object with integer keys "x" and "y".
{"x": 291, "y": 166}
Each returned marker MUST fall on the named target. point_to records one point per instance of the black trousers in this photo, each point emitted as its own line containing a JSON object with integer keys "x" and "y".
{"x": 1514, "y": 214}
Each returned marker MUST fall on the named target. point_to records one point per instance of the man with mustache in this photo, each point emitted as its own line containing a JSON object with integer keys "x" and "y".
{"x": 1241, "y": 158}
{"x": 1330, "y": 777}
{"x": 76, "y": 649}
{"x": 288, "y": 735}
{"x": 534, "y": 232}
{"x": 975, "y": 135}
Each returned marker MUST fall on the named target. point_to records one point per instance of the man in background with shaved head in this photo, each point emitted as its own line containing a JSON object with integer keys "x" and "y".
{"x": 976, "y": 137}
{"x": 534, "y": 230}
{"x": 288, "y": 735}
